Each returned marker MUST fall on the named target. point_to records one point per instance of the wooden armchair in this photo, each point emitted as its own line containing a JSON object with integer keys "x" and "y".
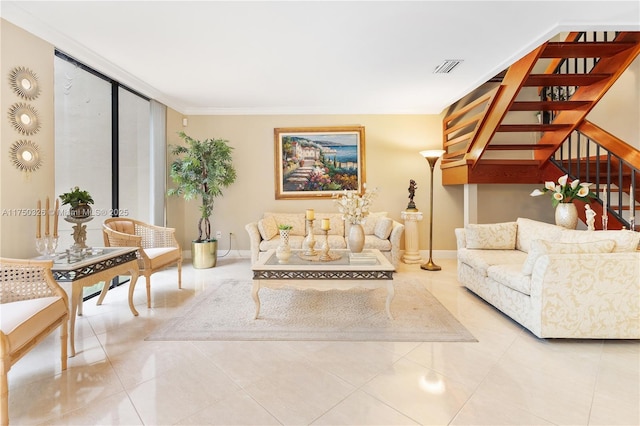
{"x": 158, "y": 246}
{"x": 32, "y": 305}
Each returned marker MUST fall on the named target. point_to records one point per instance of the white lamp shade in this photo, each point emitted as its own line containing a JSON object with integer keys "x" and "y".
{"x": 432, "y": 153}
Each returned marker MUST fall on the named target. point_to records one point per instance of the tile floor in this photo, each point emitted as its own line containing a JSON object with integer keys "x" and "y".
{"x": 508, "y": 377}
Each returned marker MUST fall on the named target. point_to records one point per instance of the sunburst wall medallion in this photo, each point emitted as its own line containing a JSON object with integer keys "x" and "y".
{"x": 24, "y": 83}
{"x": 24, "y": 118}
{"x": 25, "y": 155}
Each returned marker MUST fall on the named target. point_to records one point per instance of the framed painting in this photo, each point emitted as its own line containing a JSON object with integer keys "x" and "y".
{"x": 314, "y": 162}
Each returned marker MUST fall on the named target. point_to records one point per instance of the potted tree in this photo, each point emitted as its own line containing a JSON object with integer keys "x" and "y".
{"x": 79, "y": 200}
{"x": 201, "y": 170}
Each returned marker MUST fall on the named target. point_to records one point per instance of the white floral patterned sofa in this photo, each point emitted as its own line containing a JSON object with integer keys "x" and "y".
{"x": 381, "y": 232}
{"x": 558, "y": 283}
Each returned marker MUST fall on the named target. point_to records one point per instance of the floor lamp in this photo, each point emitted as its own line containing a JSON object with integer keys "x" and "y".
{"x": 432, "y": 157}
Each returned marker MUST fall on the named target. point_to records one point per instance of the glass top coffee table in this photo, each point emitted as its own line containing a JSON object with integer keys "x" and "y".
{"x": 301, "y": 273}
{"x": 99, "y": 264}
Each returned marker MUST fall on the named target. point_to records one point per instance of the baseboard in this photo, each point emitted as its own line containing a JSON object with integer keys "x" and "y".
{"x": 242, "y": 254}
{"x": 236, "y": 254}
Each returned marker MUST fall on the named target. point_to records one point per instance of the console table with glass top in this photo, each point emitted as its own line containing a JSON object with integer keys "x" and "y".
{"x": 303, "y": 273}
{"x": 101, "y": 264}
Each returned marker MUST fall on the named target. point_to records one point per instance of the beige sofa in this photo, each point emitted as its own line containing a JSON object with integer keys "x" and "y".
{"x": 557, "y": 283}
{"x": 381, "y": 232}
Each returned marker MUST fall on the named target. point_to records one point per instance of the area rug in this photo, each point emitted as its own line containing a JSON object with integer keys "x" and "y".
{"x": 225, "y": 311}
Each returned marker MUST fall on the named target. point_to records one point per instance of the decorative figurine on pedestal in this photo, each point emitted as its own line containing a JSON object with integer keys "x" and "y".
{"x": 79, "y": 231}
{"x": 412, "y": 192}
{"x": 591, "y": 217}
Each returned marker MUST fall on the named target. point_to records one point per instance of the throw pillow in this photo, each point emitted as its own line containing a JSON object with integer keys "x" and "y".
{"x": 370, "y": 221}
{"x": 268, "y": 227}
{"x": 493, "y": 236}
{"x": 529, "y": 230}
{"x": 540, "y": 247}
{"x": 625, "y": 239}
{"x": 383, "y": 228}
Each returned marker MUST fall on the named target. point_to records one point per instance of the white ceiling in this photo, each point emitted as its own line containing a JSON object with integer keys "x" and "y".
{"x": 307, "y": 57}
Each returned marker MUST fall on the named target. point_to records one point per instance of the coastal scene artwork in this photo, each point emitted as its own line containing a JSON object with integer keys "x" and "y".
{"x": 312, "y": 162}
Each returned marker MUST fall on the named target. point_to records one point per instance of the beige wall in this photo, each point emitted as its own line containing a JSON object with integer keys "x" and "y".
{"x": 392, "y": 145}
{"x": 175, "y": 205}
{"x": 18, "y": 190}
{"x": 618, "y": 111}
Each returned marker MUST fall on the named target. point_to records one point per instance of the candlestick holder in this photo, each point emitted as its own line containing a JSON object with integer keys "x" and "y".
{"x": 325, "y": 255}
{"x": 309, "y": 241}
{"x": 605, "y": 220}
{"x": 46, "y": 246}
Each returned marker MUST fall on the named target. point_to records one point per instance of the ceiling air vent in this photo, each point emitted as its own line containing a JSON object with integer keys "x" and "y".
{"x": 447, "y": 66}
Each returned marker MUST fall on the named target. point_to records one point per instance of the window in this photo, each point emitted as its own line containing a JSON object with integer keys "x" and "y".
{"x": 110, "y": 141}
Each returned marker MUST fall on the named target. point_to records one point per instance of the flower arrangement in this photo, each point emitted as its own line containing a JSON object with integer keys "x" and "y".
{"x": 565, "y": 192}
{"x": 285, "y": 227}
{"x": 355, "y": 207}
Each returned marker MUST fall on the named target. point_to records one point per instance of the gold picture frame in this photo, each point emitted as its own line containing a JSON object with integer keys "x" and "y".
{"x": 317, "y": 162}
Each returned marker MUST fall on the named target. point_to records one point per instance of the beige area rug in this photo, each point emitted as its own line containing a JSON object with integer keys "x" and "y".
{"x": 225, "y": 312}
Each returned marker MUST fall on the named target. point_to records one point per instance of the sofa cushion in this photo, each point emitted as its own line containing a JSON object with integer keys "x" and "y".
{"x": 529, "y": 230}
{"x": 383, "y": 228}
{"x": 371, "y": 220}
{"x": 295, "y": 242}
{"x": 373, "y": 242}
{"x": 481, "y": 260}
{"x": 510, "y": 275}
{"x": 268, "y": 227}
{"x": 626, "y": 240}
{"x": 541, "y": 247}
{"x": 336, "y": 224}
{"x": 494, "y": 236}
{"x": 296, "y": 220}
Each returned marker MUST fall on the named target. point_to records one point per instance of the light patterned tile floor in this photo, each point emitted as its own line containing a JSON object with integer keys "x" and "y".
{"x": 507, "y": 377}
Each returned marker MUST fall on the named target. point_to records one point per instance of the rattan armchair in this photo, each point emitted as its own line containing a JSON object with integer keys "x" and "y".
{"x": 158, "y": 246}
{"x": 32, "y": 305}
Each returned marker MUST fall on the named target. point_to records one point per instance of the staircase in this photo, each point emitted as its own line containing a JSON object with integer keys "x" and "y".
{"x": 523, "y": 126}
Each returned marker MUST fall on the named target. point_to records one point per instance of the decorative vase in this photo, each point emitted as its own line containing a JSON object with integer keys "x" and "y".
{"x": 283, "y": 252}
{"x": 356, "y": 238}
{"x": 567, "y": 215}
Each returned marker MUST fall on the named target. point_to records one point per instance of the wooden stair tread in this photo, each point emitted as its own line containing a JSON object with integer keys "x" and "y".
{"x": 583, "y": 49}
{"x": 549, "y": 105}
{"x": 564, "y": 79}
{"x": 532, "y": 127}
{"x": 517, "y": 147}
{"x": 512, "y": 162}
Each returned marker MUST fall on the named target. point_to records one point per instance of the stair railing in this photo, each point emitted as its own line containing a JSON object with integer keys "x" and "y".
{"x": 611, "y": 165}
{"x": 572, "y": 66}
